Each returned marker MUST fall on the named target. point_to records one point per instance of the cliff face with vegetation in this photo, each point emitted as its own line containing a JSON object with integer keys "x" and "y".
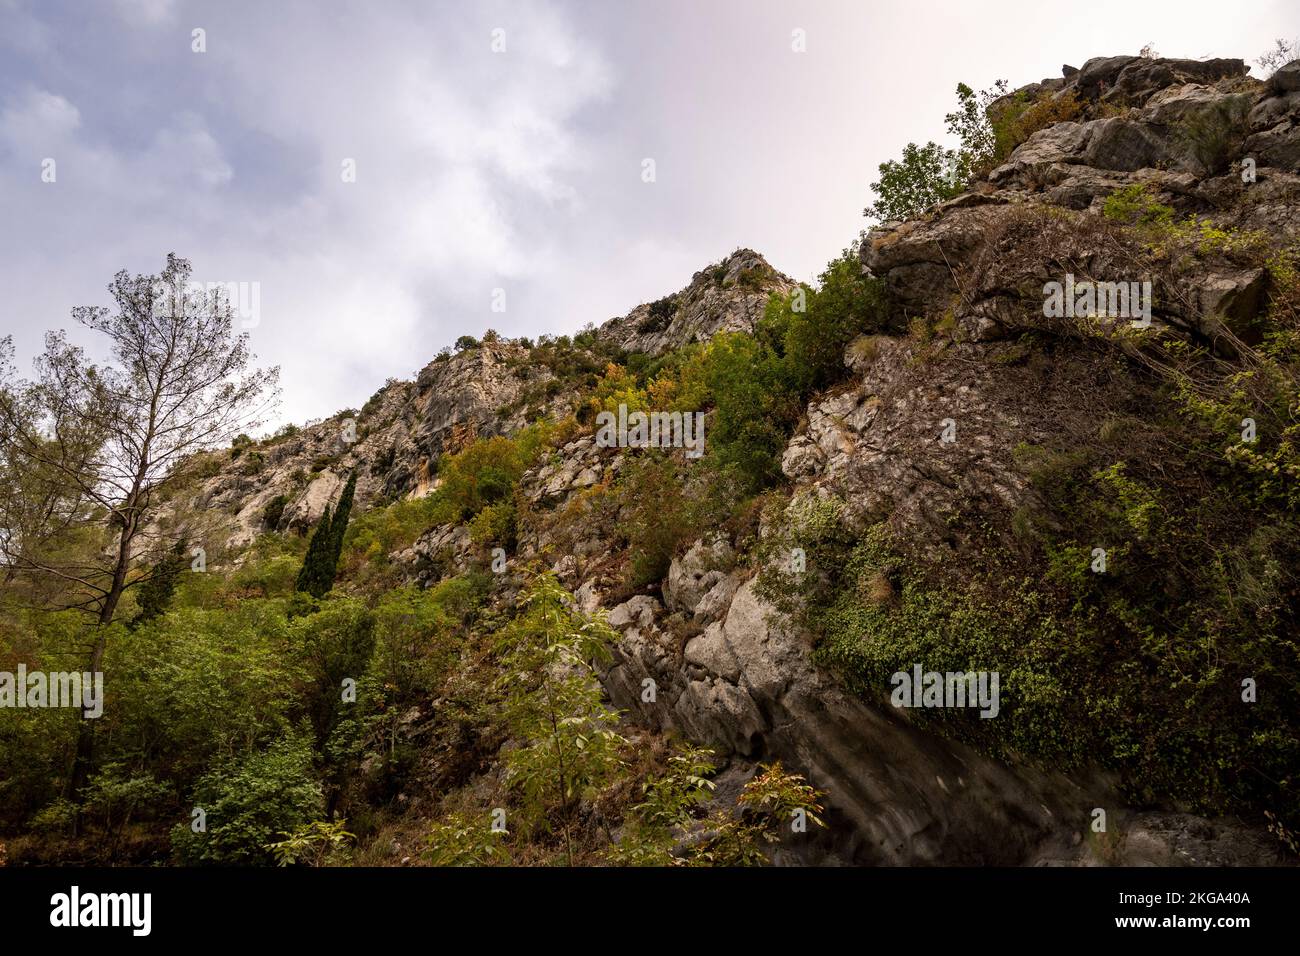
{"x": 911, "y": 463}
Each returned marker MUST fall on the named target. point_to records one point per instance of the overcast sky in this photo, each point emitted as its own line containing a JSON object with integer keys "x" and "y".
{"x": 516, "y": 169}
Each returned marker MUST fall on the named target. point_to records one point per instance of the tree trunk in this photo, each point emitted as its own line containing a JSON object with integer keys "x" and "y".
{"x": 84, "y": 757}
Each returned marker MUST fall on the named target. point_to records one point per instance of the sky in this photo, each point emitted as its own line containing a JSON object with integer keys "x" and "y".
{"x": 387, "y": 176}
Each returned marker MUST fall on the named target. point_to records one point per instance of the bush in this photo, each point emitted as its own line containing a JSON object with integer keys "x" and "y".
{"x": 251, "y": 801}
{"x": 845, "y": 305}
{"x": 274, "y": 511}
{"x": 486, "y": 472}
{"x": 659, "y": 315}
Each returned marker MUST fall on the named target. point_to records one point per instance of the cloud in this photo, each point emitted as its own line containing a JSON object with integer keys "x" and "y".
{"x": 146, "y": 12}
{"x": 37, "y": 121}
{"x": 475, "y": 169}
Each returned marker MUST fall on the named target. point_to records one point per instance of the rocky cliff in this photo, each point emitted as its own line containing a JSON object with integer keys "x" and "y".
{"x": 926, "y": 434}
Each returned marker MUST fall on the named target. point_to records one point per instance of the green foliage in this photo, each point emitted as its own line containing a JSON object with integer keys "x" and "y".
{"x": 1135, "y": 204}
{"x": 665, "y": 506}
{"x": 466, "y": 840}
{"x": 845, "y": 305}
{"x": 1138, "y": 668}
{"x": 317, "y": 575}
{"x": 988, "y": 126}
{"x": 335, "y": 644}
{"x": 114, "y": 795}
{"x": 671, "y": 803}
{"x": 156, "y": 591}
{"x": 761, "y": 383}
{"x": 339, "y": 524}
{"x": 249, "y": 800}
{"x": 320, "y": 565}
{"x": 771, "y": 805}
{"x": 487, "y": 472}
{"x": 659, "y": 315}
{"x": 466, "y": 342}
{"x": 494, "y": 525}
{"x": 316, "y": 843}
{"x": 196, "y": 684}
{"x": 923, "y": 177}
{"x": 554, "y": 707}
{"x": 378, "y": 532}
{"x": 1012, "y": 120}
{"x": 978, "y": 137}
{"x": 419, "y": 633}
{"x": 274, "y": 511}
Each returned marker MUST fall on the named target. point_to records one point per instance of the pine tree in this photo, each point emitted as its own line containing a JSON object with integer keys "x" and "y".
{"x": 313, "y": 577}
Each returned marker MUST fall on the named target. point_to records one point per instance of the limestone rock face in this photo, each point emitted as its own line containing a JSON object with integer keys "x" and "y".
{"x": 392, "y": 443}
{"x": 728, "y": 297}
{"x": 747, "y": 686}
{"x": 1183, "y": 129}
{"x": 696, "y": 573}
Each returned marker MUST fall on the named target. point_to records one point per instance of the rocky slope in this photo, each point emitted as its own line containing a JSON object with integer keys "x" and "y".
{"x": 494, "y": 388}
{"x": 731, "y": 671}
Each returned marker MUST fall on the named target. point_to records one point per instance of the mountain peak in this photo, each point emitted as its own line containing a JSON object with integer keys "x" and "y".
{"x": 726, "y": 296}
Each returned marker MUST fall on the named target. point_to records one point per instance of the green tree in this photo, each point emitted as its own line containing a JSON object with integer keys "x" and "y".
{"x": 336, "y": 644}
{"x": 554, "y": 706}
{"x": 317, "y": 574}
{"x": 845, "y": 304}
{"x": 320, "y": 564}
{"x": 179, "y": 383}
{"x": 339, "y": 525}
{"x": 248, "y": 800}
{"x": 924, "y": 176}
{"x": 157, "y": 590}
{"x": 929, "y": 174}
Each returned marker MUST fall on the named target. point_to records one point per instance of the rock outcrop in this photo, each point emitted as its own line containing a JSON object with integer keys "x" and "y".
{"x": 727, "y": 297}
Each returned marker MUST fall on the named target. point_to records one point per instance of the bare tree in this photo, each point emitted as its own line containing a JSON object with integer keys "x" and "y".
{"x": 99, "y": 445}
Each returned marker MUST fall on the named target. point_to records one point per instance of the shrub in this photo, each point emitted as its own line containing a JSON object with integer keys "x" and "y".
{"x": 465, "y": 839}
{"x": 1020, "y": 119}
{"x": 845, "y": 305}
{"x": 487, "y": 471}
{"x": 249, "y": 801}
{"x": 1136, "y": 205}
{"x": 554, "y": 707}
{"x": 274, "y": 511}
{"x": 659, "y": 315}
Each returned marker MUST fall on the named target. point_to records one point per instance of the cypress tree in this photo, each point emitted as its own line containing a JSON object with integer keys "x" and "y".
{"x": 156, "y": 591}
{"x": 314, "y": 578}
{"x": 340, "y": 524}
